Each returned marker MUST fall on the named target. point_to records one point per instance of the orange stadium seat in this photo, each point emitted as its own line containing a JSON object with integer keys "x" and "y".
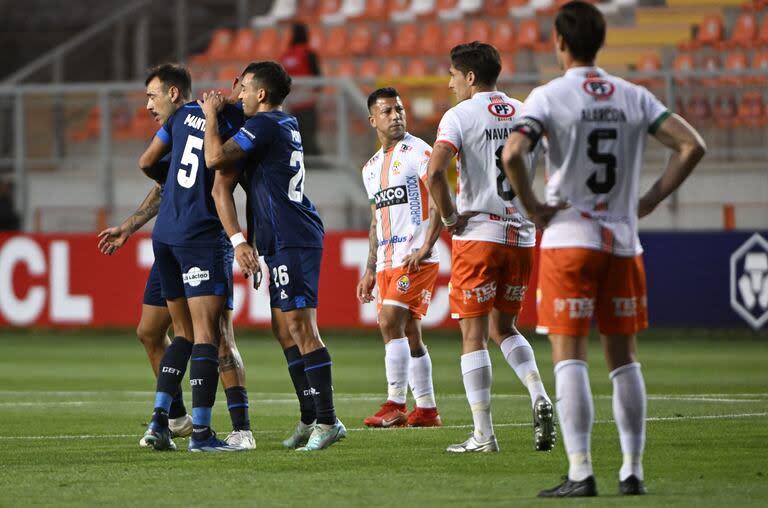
{"x": 399, "y": 5}
{"x": 683, "y": 63}
{"x": 760, "y": 62}
{"x": 710, "y": 32}
{"x": 270, "y": 44}
{"x": 710, "y": 63}
{"x": 244, "y": 45}
{"x": 431, "y": 38}
{"x": 500, "y": 8}
{"x": 328, "y": 7}
{"x": 479, "y": 30}
{"x": 455, "y": 33}
{"x": 141, "y": 126}
{"x": 649, "y": 63}
{"x": 724, "y": 110}
{"x": 744, "y": 32}
{"x": 751, "y": 112}
{"x": 369, "y": 69}
{"x": 697, "y": 110}
{"x": 762, "y": 37}
{"x": 407, "y": 39}
{"x": 335, "y": 42}
{"x": 417, "y": 67}
{"x": 228, "y": 73}
{"x": 507, "y": 64}
{"x": 503, "y": 35}
{"x": 307, "y": 10}
{"x": 375, "y": 10}
{"x": 345, "y": 69}
{"x": 316, "y": 38}
{"x": 221, "y": 40}
{"x": 360, "y": 39}
{"x": 393, "y": 68}
{"x": 384, "y": 42}
{"x": 735, "y": 61}
{"x": 529, "y": 36}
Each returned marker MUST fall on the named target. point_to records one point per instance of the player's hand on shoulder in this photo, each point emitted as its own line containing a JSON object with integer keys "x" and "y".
{"x": 365, "y": 287}
{"x": 213, "y": 102}
{"x": 112, "y": 239}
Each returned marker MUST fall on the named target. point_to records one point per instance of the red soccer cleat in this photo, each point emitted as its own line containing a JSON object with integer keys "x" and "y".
{"x": 390, "y": 414}
{"x": 424, "y": 417}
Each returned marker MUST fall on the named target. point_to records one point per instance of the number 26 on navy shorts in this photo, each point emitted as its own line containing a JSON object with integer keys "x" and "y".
{"x": 294, "y": 275}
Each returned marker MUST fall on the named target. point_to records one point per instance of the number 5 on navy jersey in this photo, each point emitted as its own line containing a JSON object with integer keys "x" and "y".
{"x": 186, "y": 177}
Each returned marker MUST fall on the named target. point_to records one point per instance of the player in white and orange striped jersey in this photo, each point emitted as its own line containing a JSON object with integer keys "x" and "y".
{"x": 591, "y": 265}
{"x": 493, "y": 242}
{"x": 402, "y": 260}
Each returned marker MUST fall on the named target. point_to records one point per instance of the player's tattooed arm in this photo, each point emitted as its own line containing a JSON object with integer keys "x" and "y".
{"x": 368, "y": 281}
{"x": 111, "y": 239}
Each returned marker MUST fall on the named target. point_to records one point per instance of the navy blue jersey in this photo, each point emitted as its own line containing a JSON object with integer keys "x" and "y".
{"x": 187, "y": 214}
{"x": 283, "y": 216}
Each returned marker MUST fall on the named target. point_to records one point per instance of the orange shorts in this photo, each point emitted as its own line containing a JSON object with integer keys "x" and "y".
{"x": 409, "y": 290}
{"x": 487, "y": 275}
{"x": 577, "y": 284}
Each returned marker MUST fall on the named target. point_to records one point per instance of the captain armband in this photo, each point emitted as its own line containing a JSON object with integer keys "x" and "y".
{"x": 531, "y": 128}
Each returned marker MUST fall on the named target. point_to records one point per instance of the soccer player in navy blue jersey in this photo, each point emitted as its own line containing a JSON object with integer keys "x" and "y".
{"x": 194, "y": 259}
{"x": 288, "y": 230}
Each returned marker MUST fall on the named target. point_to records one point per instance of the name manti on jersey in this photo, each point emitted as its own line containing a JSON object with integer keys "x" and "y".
{"x": 394, "y": 181}
{"x": 477, "y": 129}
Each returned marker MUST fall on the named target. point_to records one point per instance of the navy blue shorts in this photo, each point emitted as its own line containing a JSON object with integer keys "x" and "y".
{"x": 152, "y": 293}
{"x": 195, "y": 271}
{"x": 294, "y": 275}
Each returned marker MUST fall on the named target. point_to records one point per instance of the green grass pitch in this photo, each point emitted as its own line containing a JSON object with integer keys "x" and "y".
{"x": 73, "y": 407}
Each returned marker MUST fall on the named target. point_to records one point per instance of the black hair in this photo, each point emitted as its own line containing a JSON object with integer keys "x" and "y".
{"x": 480, "y": 58}
{"x": 171, "y": 74}
{"x": 386, "y": 92}
{"x": 271, "y": 76}
{"x": 299, "y": 34}
{"x": 582, "y": 27}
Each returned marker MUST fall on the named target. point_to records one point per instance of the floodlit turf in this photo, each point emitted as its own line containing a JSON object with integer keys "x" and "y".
{"x": 73, "y": 407}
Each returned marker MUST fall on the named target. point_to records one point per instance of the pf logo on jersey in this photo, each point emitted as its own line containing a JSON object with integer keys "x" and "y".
{"x": 501, "y": 110}
{"x": 598, "y": 88}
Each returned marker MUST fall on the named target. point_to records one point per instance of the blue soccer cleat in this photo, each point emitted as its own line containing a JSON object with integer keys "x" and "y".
{"x": 158, "y": 438}
{"x": 212, "y": 444}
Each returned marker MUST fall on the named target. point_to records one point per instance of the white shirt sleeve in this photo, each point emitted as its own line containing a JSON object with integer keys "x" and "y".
{"x": 536, "y": 106}
{"x": 366, "y": 184}
{"x": 654, "y": 110}
{"x": 449, "y": 130}
{"x": 421, "y": 159}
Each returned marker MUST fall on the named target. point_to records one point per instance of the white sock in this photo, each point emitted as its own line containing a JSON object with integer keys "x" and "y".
{"x": 519, "y": 355}
{"x": 629, "y": 404}
{"x": 476, "y": 371}
{"x": 575, "y": 412}
{"x": 420, "y": 379}
{"x": 397, "y": 355}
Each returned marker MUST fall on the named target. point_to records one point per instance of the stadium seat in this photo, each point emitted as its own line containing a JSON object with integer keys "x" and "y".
{"x": 529, "y": 36}
{"x": 417, "y": 68}
{"x": 375, "y": 10}
{"x": 751, "y": 112}
{"x": 454, "y": 33}
{"x": 461, "y": 9}
{"x": 407, "y": 40}
{"x": 431, "y": 39}
{"x": 345, "y": 69}
{"x": 328, "y": 8}
{"x": 281, "y": 10}
{"x": 415, "y": 9}
{"x": 500, "y": 8}
{"x": 710, "y": 63}
{"x": 649, "y": 63}
{"x": 735, "y": 61}
{"x": 743, "y": 33}
{"x": 393, "y": 68}
{"x": 503, "y": 35}
{"x": 369, "y": 69}
{"x": 697, "y": 110}
{"x": 227, "y": 73}
{"x": 762, "y": 36}
{"x": 507, "y": 65}
{"x": 335, "y": 42}
{"x": 480, "y": 30}
{"x": 724, "y": 110}
{"x": 384, "y": 42}
{"x": 316, "y": 38}
{"x": 141, "y": 126}
{"x": 245, "y": 46}
{"x": 683, "y": 64}
{"x": 360, "y": 39}
{"x": 218, "y": 49}
{"x": 710, "y": 33}
{"x": 760, "y": 63}
{"x": 307, "y": 10}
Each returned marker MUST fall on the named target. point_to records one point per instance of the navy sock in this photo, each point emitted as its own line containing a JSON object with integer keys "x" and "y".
{"x": 317, "y": 366}
{"x": 237, "y": 403}
{"x": 204, "y": 378}
{"x": 173, "y": 365}
{"x": 178, "y": 409}
{"x": 300, "y": 384}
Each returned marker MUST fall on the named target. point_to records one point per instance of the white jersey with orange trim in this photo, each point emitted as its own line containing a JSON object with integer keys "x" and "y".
{"x": 394, "y": 181}
{"x": 477, "y": 129}
{"x": 596, "y": 126}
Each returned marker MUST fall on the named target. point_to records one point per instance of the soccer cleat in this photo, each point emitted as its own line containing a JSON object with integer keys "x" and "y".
{"x": 159, "y": 439}
{"x": 632, "y": 486}
{"x": 324, "y": 436}
{"x": 300, "y": 435}
{"x": 544, "y": 435}
{"x": 212, "y": 444}
{"x": 569, "y": 488}
{"x": 424, "y": 417}
{"x": 241, "y": 439}
{"x": 472, "y": 445}
{"x": 391, "y": 414}
{"x": 181, "y": 426}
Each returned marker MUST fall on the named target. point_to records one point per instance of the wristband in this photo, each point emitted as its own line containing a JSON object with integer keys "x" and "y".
{"x": 451, "y": 220}
{"x": 237, "y": 239}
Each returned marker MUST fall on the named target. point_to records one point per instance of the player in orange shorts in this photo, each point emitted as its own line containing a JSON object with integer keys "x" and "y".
{"x": 591, "y": 263}
{"x": 492, "y": 241}
{"x": 402, "y": 261}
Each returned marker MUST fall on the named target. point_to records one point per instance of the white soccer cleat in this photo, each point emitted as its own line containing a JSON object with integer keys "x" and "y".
{"x": 472, "y": 445}
{"x": 324, "y": 436}
{"x": 241, "y": 439}
{"x": 181, "y": 426}
{"x": 300, "y": 436}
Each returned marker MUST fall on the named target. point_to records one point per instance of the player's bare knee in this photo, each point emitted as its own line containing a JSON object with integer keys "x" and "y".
{"x": 391, "y": 326}
{"x": 150, "y": 337}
